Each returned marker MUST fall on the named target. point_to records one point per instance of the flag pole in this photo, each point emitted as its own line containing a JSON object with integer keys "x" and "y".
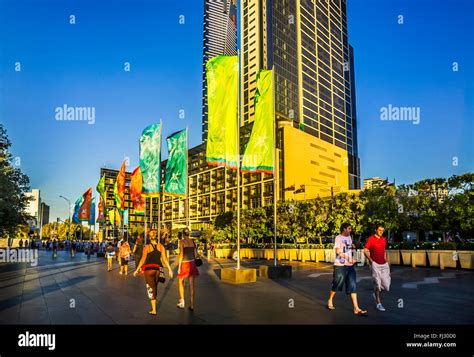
{"x": 187, "y": 181}
{"x": 275, "y": 171}
{"x": 159, "y": 218}
{"x": 145, "y": 219}
{"x": 151, "y": 212}
{"x": 159, "y": 186}
{"x": 239, "y": 53}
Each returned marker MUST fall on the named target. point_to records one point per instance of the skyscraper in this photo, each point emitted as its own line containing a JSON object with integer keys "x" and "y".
{"x": 306, "y": 43}
{"x": 220, "y": 38}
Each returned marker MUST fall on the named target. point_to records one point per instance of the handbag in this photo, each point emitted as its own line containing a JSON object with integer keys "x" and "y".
{"x": 197, "y": 260}
{"x": 162, "y": 279}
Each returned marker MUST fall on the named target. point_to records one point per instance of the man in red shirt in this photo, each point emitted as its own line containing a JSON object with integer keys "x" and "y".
{"x": 374, "y": 250}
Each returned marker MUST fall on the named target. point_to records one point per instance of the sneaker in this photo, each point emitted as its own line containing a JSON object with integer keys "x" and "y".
{"x": 380, "y": 307}
{"x": 180, "y": 304}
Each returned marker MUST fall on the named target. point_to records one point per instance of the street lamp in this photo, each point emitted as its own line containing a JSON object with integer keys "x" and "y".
{"x": 69, "y": 213}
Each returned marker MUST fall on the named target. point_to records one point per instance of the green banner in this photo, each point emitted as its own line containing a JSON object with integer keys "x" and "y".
{"x": 259, "y": 153}
{"x": 222, "y": 108}
{"x": 118, "y": 201}
{"x": 101, "y": 190}
{"x": 177, "y": 165}
{"x": 150, "y": 160}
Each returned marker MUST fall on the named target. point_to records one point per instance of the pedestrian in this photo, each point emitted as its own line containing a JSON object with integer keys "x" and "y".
{"x": 21, "y": 243}
{"x": 138, "y": 250}
{"x": 344, "y": 271}
{"x": 73, "y": 248}
{"x": 152, "y": 262}
{"x": 375, "y": 252}
{"x": 186, "y": 267}
{"x": 55, "y": 248}
{"x": 110, "y": 253}
{"x": 124, "y": 252}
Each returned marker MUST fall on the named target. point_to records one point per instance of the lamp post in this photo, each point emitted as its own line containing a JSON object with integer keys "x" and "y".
{"x": 69, "y": 213}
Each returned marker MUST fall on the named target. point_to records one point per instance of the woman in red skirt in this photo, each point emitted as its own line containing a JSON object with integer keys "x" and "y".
{"x": 186, "y": 267}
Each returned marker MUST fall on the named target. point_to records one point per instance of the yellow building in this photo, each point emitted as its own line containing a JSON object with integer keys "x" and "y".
{"x": 317, "y": 165}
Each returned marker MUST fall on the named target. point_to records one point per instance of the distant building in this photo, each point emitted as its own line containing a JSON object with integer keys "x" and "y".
{"x": 373, "y": 182}
{"x": 44, "y": 213}
{"x": 33, "y": 208}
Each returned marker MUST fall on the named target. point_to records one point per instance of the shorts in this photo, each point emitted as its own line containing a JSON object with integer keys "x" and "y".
{"x": 344, "y": 275}
{"x": 381, "y": 276}
{"x": 123, "y": 261}
{"x": 188, "y": 269}
{"x": 151, "y": 279}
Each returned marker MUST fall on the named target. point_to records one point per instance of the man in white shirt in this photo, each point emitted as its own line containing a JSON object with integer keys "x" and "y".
{"x": 344, "y": 272}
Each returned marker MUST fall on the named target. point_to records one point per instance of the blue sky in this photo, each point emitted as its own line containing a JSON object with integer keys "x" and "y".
{"x": 83, "y": 65}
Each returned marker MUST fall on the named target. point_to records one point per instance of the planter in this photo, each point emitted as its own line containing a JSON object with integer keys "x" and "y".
{"x": 329, "y": 255}
{"x": 406, "y": 256}
{"x": 224, "y": 253}
{"x": 291, "y": 254}
{"x": 393, "y": 257}
{"x": 447, "y": 259}
{"x": 433, "y": 257}
{"x": 268, "y": 254}
{"x": 304, "y": 255}
{"x": 318, "y": 255}
{"x": 418, "y": 258}
{"x": 259, "y": 253}
{"x": 360, "y": 257}
{"x": 466, "y": 258}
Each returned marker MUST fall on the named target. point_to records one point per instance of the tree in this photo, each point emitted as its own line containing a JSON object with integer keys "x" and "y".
{"x": 379, "y": 205}
{"x": 13, "y": 186}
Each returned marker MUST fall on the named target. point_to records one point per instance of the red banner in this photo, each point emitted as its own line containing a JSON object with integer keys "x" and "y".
{"x": 138, "y": 200}
{"x": 85, "y": 210}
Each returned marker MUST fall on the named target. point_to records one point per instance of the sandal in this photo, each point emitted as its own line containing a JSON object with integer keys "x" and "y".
{"x": 360, "y": 312}
{"x": 152, "y": 313}
{"x": 330, "y": 307}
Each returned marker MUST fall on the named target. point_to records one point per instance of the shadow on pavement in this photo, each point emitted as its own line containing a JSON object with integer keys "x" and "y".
{"x": 19, "y": 299}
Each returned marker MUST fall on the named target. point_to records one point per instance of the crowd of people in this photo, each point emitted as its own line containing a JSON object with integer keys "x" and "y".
{"x": 151, "y": 260}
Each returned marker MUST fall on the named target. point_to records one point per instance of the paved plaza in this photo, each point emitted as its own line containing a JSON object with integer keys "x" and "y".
{"x": 79, "y": 290}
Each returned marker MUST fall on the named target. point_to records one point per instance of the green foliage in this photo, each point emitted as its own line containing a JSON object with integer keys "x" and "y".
{"x": 59, "y": 230}
{"x": 446, "y": 246}
{"x": 14, "y": 184}
{"x": 431, "y": 204}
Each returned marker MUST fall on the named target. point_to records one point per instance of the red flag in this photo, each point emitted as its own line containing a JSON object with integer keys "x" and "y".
{"x": 121, "y": 185}
{"x": 85, "y": 210}
{"x": 136, "y": 191}
{"x": 101, "y": 217}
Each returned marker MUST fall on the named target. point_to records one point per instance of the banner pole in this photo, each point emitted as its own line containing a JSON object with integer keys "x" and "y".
{"x": 145, "y": 219}
{"x": 275, "y": 172}
{"x": 187, "y": 181}
{"x": 238, "y": 160}
{"x": 159, "y": 218}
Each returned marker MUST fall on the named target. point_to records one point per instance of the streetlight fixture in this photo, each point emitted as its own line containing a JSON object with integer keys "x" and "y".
{"x": 69, "y": 221}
